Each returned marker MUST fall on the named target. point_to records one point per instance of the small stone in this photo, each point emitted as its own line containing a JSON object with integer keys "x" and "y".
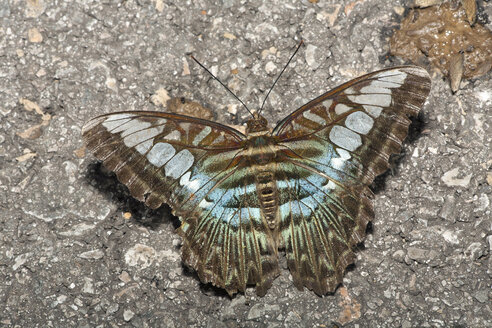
{"x": 125, "y": 277}
{"x": 79, "y": 152}
{"x": 270, "y": 67}
{"x": 61, "y": 299}
{"x": 489, "y": 178}
{"x": 160, "y": 97}
{"x": 229, "y": 36}
{"x": 4, "y": 9}
{"x": 417, "y": 254}
{"x": 256, "y": 312}
{"x": 112, "y": 84}
{"x": 31, "y": 133}
{"x": 448, "y": 209}
{"x": 34, "y": 36}
{"x": 140, "y": 255}
{"x": 489, "y": 240}
{"x": 483, "y": 203}
{"x": 232, "y": 109}
{"x": 41, "y": 72}
{"x": 399, "y": 10}
{"x": 128, "y": 315}
{"x": 474, "y": 251}
{"x": 34, "y": 8}
{"x": 482, "y": 295}
{"x": 88, "y": 286}
{"x": 113, "y": 308}
{"x": 311, "y": 56}
{"x": 159, "y": 5}
{"x": 451, "y": 237}
{"x": 292, "y": 319}
{"x": 259, "y": 310}
{"x": 78, "y": 229}
{"x": 450, "y": 179}
{"x": 94, "y": 254}
{"x": 399, "y": 255}
{"x": 20, "y": 260}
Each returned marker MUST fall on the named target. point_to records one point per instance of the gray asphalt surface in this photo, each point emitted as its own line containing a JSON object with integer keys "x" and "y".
{"x": 71, "y": 257}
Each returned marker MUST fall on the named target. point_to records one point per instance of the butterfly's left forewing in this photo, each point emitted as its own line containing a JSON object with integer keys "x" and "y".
{"x": 196, "y": 167}
{"x": 334, "y": 146}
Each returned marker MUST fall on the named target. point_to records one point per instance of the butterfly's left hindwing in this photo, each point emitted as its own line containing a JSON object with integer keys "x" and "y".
{"x": 334, "y": 147}
{"x": 196, "y": 167}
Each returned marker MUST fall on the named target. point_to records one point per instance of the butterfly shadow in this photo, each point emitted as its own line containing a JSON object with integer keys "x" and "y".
{"x": 205, "y": 288}
{"x": 108, "y": 184}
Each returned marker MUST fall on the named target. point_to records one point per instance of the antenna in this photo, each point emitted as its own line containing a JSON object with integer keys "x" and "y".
{"x": 232, "y": 93}
{"x": 278, "y": 77}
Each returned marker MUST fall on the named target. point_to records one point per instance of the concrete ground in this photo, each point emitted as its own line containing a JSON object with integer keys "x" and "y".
{"x": 71, "y": 255}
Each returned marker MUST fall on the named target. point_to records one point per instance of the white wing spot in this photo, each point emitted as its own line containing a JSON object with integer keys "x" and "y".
{"x": 339, "y": 162}
{"x": 141, "y": 136}
{"x": 200, "y": 136}
{"x": 342, "y": 108}
{"x": 144, "y": 147}
{"x": 160, "y": 154}
{"x": 185, "y": 126}
{"x": 374, "y": 89}
{"x": 343, "y": 154}
{"x": 349, "y": 91}
{"x": 192, "y": 185}
{"x": 372, "y": 99}
{"x": 384, "y": 84}
{"x": 128, "y": 127}
{"x": 179, "y": 164}
{"x": 205, "y": 204}
{"x": 330, "y": 185}
{"x": 115, "y": 121}
{"x": 327, "y": 103}
{"x": 394, "y": 76}
{"x": 345, "y": 138}
{"x": 175, "y": 135}
{"x": 374, "y": 111}
{"x": 359, "y": 122}
{"x": 313, "y": 117}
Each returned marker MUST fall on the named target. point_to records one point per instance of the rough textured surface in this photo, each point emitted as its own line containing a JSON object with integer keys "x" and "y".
{"x": 76, "y": 250}
{"x": 438, "y": 34}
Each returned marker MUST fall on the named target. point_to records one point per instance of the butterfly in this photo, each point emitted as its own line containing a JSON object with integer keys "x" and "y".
{"x": 302, "y": 187}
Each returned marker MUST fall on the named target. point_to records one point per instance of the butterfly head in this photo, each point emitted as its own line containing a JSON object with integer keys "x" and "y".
{"x": 257, "y": 124}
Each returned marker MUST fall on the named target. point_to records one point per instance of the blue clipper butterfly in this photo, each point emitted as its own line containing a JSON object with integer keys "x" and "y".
{"x": 302, "y": 187}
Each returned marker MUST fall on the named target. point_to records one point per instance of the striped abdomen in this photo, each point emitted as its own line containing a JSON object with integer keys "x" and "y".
{"x": 267, "y": 194}
{"x": 262, "y": 153}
